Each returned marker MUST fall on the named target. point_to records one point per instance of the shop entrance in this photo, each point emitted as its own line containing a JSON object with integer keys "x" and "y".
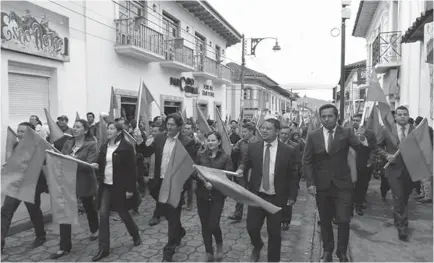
{"x": 204, "y": 109}
{"x": 172, "y": 107}
{"x": 128, "y": 107}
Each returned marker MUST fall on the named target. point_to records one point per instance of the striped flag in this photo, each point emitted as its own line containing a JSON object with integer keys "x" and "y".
{"x": 62, "y": 183}
{"x": 21, "y": 172}
{"x": 226, "y": 142}
{"x": 11, "y": 140}
{"x": 417, "y": 152}
{"x": 220, "y": 181}
{"x": 178, "y": 171}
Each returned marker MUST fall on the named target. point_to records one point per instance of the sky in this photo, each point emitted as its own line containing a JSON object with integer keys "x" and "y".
{"x": 309, "y": 54}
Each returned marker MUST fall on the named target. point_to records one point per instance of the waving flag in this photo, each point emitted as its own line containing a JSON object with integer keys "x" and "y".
{"x": 22, "y": 169}
{"x": 77, "y": 116}
{"x": 184, "y": 116}
{"x": 114, "y": 111}
{"x": 11, "y": 140}
{"x": 202, "y": 123}
{"x": 219, "y": 180}
{"x": 102, "y": 132}
{"x": 143, "y": 103}
{"x": 62, "y": 183}
{"x": 226, "y": 142}
{"x": 130, "y": 139}
{"x": 178, "y": 171}
{"x": 55, "y": 132}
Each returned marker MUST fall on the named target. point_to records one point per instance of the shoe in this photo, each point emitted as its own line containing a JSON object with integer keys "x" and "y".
{"x": 59, "y": 254}
{"x": 327, "y": 257}
{"x": 236, "y": 218}
{"x": 359, "y": 211}
{"x": 342, "y": 257}
{"x": 154, "y": 221}
{"x": 137, "y": 241}
{"x": 219, "y": 253}
{"x": 285, "y": 226}
{"x": 424, "y": 201}
{"x": 101, "y": 254}
{"x": 256, "y": 255}
{"x": 38, "y": 242}
{"x": 402, "y": 234}
{"x": 209, "y": 257}
{"x": 94, "y": 236}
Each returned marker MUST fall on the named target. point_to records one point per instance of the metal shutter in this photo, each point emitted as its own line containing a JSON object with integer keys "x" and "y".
{"x": 28, "y": 95}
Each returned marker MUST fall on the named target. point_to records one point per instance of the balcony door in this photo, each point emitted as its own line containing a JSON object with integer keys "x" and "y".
{"x": 171, "y": 32}
{"x": 200, "y": 51}
{"x": 132, "y": 16}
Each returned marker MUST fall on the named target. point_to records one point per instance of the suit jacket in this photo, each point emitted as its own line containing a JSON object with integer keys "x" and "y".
{"x": 124, "y": 175}
{"x": 389, "y": 142}
{"x": 320, "y": 167}
{"x": 285, "y": 173}
{"x": 364, "y": 154}
{"x": 157, "y": 147}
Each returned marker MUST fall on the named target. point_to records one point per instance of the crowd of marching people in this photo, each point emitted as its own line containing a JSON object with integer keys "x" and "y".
{"x": 269, "y": 158}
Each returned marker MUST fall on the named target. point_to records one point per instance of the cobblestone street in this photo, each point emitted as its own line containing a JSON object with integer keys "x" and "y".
{"x": 296, "y": 243}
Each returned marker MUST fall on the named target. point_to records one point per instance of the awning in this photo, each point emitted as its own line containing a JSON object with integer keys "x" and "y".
{"x": 416, "y": 31}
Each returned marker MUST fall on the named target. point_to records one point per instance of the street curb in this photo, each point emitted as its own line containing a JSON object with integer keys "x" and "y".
{"x": 26, "y": 224}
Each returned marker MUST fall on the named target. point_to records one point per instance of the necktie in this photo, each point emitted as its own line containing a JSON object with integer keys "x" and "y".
{"x": 266, "y": 169}
{"x": 402, "y": 133}
{"x": 329, "y": 141}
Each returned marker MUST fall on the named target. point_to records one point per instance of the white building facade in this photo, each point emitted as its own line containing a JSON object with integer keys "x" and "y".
{"x": 66, "y": 55}
{"x": 401, "y": 64}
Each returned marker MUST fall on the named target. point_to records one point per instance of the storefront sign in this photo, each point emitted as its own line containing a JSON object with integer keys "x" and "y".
{"x": 31, "y": 29}
{"x": 185, "y": 84}
{"x": 208, "y": 90}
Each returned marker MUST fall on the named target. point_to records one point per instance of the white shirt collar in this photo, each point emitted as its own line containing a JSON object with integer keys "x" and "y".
{"x": 173, "y": 138}
{"x": 326, "y": 130}
{"x": 407, "y": 126}
{"x": 273, "y": 143}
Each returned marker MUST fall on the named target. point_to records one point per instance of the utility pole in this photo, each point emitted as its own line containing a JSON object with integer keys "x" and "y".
{"x": 243, "y": 65}
{"x": 342, "y": 92}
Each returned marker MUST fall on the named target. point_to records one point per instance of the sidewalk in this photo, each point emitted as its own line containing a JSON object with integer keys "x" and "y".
{"x": 374, "y": 238}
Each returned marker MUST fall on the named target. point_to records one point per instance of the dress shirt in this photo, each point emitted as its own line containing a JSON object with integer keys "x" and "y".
{"x": 399, "y": 129}
{"x": 167, "y": 153}
{"x": 273, "y": 154}
{"x": 326, "y": 136}
{"x": 108, "y": 171}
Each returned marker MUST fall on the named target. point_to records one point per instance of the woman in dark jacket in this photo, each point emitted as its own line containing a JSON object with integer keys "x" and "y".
{"x": 210, "y": 202}
{"x": 83, "y": 147}
{"x": 117, "y": 185}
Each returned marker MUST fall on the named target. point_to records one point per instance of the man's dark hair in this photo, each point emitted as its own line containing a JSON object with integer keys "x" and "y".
{"x": 358, "y": 115}
{"x": 156, "y": 118}
{"x": 160, "y": 127}
{"x": 85, "y": 124}
{"x": 328, "y": 106}
{"x": 210, "y": 122}
{"x": 249, "y": 126}
{"x": 28, "y": 124}
{"x": 401, "y": 108}
{"x": 126, "y": 122}
{"x": 275, "y": 123}
{"x": 232, "y": 121}
{"x": 37, "y": 119}
{"x": 91, "y": 113}
{"x": 118, "y": 119}
{"x": 176, "y": 118}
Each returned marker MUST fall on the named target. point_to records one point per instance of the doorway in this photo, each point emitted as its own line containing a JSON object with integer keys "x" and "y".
{"x": 128, "y": 107}
{"x": 172, "y": 107}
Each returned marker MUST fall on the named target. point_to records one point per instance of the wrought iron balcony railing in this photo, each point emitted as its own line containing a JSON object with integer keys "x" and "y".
{"x": 207, "y": 65}
{"x": 128, "y": 32}
{"x": 251, "y": 104}
{"x": 183, "y": 55}
{"x": 225, "y": 73}
{"x": 386, "y": 48}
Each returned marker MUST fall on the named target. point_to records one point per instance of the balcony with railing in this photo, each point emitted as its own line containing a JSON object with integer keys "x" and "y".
{"x": 178, "y": 56}
{"x": 224, "y": 73}
{"x": 206, "y": 67}
{"x": 251, "y": 104}
{"x": 386, "y": 51}
{"x": 137, "y": 40}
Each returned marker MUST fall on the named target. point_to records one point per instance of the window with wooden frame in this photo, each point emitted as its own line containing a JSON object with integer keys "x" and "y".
{"x": 171, "y": 32}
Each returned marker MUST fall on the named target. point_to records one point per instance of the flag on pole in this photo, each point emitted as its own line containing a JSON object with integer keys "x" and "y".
{"x": 374, "y": 123}
{"x": 202, "y": 124}
{"x": 130, "y": 139}
{"x": 55, "y": 132}
{"x": 22, "y": 169}
{"x": 226, "y": 142}
{"x": 219, "y": 180}
{"x": 184, "y": 116}
{"x": 11, "y": 140}
{"x": 102, "y": 132}
{"x": 417, "y": 152}
{"x": 77, "y": 116}
{"x": 143, "y": 103}
{"x": 62, "y": 182}
{"x": 178, "y": 171}
{"x": 114, "y": 111}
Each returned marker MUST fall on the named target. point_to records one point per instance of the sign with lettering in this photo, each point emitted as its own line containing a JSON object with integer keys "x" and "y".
{"x": 31, "y": 29}
{"x": 208, "y": 90}
{"x": 185, "y": 84}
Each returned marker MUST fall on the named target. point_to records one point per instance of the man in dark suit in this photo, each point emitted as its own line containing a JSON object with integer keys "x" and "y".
{"x": 397, "y": 174}
{"x": 233, "y": 136}
{"x": 364, "y": 165}
{"x": 162, "y": 145}
{"x": 273, "y": 178}
{"x": 328, "y": 178}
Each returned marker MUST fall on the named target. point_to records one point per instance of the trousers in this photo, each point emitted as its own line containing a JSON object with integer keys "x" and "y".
{"x": 210, "y": 212}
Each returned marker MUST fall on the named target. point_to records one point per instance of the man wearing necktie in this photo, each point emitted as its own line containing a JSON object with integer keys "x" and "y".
{"x": 273, "y": 178}
{"x": 397, "y": 174}
{"x": 328, "y": 178}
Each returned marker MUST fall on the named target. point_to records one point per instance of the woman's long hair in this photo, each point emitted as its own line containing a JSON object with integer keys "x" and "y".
{"x": 217, "y": 135}
{"x": 119, "y": 128}
{"x": 87, "y": 135}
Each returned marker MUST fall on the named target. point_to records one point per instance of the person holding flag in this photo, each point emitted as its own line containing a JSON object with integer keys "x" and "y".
{"x": 210, "y": 202}
{"x": 117, "y": 185}
{"x": 10, "y": 204}
{"x": 163, "y": 145}
{"x": 82, "y": 147}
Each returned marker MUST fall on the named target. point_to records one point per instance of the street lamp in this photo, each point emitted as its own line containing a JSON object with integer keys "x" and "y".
{"x": 254, "y": 43}
{"x": 346, "y": 14}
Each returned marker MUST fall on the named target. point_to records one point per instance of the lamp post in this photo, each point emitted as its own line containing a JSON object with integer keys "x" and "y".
{"x": 254, "y": 43}
{"x": 346, "y": 14}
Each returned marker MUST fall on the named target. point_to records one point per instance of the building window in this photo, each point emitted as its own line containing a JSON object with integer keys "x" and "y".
{"x": 128, "y": 107}
{"x": 200, "y": 50}
{"x": 248, "y": 93}
{"x": 217, "y": 53}
{"x": 131, "y": 9}
{"x": 172, "y": 107}
{"x": 171, "y": 32}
